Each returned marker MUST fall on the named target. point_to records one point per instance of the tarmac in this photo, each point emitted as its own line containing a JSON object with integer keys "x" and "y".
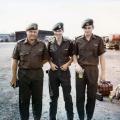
{"x": 9, "y": 110}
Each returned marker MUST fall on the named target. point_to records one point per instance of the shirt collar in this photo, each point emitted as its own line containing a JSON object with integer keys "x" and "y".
{"x": 92, "y": 37}
{"x": 63, "y": 39}
{"x": 26, "y": 41}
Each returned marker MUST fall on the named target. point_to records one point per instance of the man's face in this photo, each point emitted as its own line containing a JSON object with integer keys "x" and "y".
{"x": 88, "y": 30}
{"x": 58, "y": 32}
{"x": 32, "y": 34}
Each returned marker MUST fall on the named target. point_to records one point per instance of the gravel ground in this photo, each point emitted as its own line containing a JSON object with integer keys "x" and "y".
{"x": 9, "y": 109}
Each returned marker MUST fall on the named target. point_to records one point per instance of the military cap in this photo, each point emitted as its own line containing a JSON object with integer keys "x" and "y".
{"x": 58, "y": 26}
{"x": 32, "y": 26}
{"x": 87, "y": 22}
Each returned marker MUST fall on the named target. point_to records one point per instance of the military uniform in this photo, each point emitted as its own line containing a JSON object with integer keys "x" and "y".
{"x": 60, "y": 54}
{"x": 30, "y": 75}
{"x": 88, "y": 53}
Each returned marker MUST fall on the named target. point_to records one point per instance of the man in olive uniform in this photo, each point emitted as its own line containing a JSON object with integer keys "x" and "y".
{"x": 89, "y": 50}
{"x": 60, "y": 51}
{"x": 28, "y": 57}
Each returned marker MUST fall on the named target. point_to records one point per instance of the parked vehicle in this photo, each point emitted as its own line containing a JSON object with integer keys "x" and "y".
{"x": 112, "y": 41}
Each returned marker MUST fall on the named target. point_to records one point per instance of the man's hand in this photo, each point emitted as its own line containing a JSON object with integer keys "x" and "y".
{"x": 78, "y": 68}
{"x": 53, "y": 66}
{"x": 13, "y": 82}
{"x": 64, "y": 67}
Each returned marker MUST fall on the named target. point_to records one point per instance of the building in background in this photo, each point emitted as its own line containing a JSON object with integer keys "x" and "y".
{"x": 18, "y": 35}
{"x": 4, "y": 37}
{"x": 43, "y": 35}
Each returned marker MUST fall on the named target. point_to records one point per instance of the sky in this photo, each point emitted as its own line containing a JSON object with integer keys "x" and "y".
{"x": 15, "y": 15}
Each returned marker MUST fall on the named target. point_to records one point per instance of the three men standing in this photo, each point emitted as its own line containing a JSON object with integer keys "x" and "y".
{"x": 29, "y": 56}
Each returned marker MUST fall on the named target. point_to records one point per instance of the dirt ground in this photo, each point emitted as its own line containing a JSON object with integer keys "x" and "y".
{"x": 9, "y": 109}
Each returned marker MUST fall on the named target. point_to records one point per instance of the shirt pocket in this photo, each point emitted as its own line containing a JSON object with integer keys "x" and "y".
{"x": 24, "y": 56}
{"x": 81, "y": 49}
{"x": 53, "y": 51}
{"x": 65, "y": 51}
{"x": 39, "y": 52}
{"x": 81, "y": 52}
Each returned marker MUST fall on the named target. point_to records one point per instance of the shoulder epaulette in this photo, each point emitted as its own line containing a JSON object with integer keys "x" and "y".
{"x": 79, "y": 37}
{"x": 22, "y": 40}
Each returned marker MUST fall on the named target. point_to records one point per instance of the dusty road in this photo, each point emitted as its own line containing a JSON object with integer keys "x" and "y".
{"x": 9, "y": 97}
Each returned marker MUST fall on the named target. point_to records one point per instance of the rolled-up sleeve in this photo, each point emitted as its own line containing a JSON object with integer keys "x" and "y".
{"x": 75, "y": 48}
{"x": 101, "y": 48}
{"x": 71, "y": 49}
{"x": 15, "y": 54}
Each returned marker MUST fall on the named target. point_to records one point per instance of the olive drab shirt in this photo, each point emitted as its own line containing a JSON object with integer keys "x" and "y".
{"x": 60, "y": 54}
{"x": 30, "y": 56}
{"x": 88, "y": 52}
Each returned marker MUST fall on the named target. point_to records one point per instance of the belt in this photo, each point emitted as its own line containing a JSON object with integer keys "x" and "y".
{"x": 30, "y": 68}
